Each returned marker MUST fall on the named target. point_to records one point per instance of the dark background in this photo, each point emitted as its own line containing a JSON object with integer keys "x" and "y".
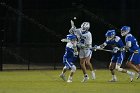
{"x": 31, "y": 30}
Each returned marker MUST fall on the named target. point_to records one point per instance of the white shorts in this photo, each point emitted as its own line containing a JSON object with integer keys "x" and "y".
{"x": 85, "y": 53}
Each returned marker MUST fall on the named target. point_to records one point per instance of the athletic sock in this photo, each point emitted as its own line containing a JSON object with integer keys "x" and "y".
{"x": 128, "y": 72}
{"x": 70, "y": 78}
{"x": 114, "y": 77}
{"x": 92, "y": 72}
{"x": 86, "y": 75}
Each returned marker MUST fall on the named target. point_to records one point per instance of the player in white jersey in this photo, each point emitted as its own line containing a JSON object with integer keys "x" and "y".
{"x": 84, "y": 43}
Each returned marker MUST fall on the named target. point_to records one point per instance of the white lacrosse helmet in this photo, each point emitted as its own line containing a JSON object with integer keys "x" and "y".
{"x": 85, "y": 26}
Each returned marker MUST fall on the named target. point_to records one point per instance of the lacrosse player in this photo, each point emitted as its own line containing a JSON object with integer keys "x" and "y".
{"x": 69, "y": 57}
{"x": 84, "y": 44}
{"x": 134, "y": 49}
{"x": 117, "y": 56}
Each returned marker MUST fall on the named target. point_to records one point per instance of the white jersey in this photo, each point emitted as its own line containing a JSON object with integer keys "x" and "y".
{"x": 84, "y": 39}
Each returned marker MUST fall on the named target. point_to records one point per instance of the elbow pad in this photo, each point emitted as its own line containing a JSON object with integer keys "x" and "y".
{"x": 128, "y": 44}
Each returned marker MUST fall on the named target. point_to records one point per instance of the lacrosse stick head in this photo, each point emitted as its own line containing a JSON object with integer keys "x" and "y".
{"x": 72, "y": 23}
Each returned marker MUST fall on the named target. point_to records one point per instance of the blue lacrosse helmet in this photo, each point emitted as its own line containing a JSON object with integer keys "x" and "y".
{"x": 110, "y": 34}
{"x": 71, "y": 37}
{"x": 125, "y": 30}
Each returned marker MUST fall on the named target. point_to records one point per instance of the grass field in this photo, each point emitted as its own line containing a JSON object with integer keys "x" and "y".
{"x": 47, "y": 81}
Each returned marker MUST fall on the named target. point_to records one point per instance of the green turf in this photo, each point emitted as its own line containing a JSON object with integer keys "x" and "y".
{"x": 47, "y": 81}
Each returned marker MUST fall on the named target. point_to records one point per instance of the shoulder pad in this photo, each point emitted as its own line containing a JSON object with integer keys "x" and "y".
{"x": 117, "y": 38}
{"x": 129, "y": 35}
{"x": 69, "y": 45}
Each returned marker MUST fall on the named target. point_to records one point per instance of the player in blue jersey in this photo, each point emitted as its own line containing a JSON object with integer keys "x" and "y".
{"x": 117, "y": 56}
{"x": 134, "y": 49}
{"x": 69, "y": 57}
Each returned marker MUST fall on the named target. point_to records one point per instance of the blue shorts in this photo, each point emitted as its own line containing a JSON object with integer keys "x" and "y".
{"x": 118, "y": 57}
{"x": 134, "y": 58}
{"x": 68, "y": 62}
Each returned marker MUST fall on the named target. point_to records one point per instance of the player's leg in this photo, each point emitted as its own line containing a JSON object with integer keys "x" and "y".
{"x": 133, "y": 60}
{"x": 65, "y": 68}
{"x": 88, "y": 54}
{"x": 131, "y": 74}
{"x": 132, "y": 66}
{"x": 83, "y": 67}
{"x": 111, "y": 68}
{"x": 137, "y": 62}
{"x": 118, "y": 67}
{"x": 62, "y": 75}
{"x": 88, "y": 63}
{"x": 82, "y": 64}
{"x": 138, "y": 66}
{"x": 120, "y": 58}
{"x": 73, "y": 69}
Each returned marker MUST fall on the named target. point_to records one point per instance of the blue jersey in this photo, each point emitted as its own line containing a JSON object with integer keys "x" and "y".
{"x": 134, "y": 44}
{"x": 134, "y": 49}
{"x": 116, "y": 42}
{"x": 69, "y": 56}
{"x": 119, "y": 56}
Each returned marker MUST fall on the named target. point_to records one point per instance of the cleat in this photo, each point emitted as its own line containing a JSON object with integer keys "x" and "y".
{"x": 113, "y": 80}
{"x": 138, "y": 76}
{"x": 85, "y": 79}
{"x": 69, "y": 81}
{"x": 93, "y": 75}
{"x": 132, "y": 76}
{"x": 62, "y": 76}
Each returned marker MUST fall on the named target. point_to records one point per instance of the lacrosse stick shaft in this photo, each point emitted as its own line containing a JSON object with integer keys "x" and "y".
{"x": 105, "y": 50}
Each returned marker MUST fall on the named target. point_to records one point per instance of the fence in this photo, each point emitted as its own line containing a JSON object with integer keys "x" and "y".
{"x": 31, "y": 33}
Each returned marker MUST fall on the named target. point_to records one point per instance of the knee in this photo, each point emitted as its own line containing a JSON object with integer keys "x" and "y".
{"x": 88, "y": 63}
{"x": 118, "y": 68}
{"x": 65, "y": 68}
{"x": 111, "y": 68}
{"x": 73, "y": 68}
{"x": 128, "y": 64}
{"x": 82, "y": 63}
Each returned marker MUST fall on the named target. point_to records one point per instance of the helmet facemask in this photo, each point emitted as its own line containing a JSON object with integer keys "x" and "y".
{"x": 125, "y": 30}
{"x": 73, "y": 41}
{"x": 108, "y": 38}
{"x": 124, "y": 33}
{"x": 85, "y": 26}
{"x": 72, "y": 38}
{"x": 110, "y": 35}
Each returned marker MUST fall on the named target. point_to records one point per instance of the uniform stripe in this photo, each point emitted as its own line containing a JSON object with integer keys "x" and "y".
{"x": 121, "y": 57}
{"x": 68, "y": 63}
{"x": 131, "y": 57}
